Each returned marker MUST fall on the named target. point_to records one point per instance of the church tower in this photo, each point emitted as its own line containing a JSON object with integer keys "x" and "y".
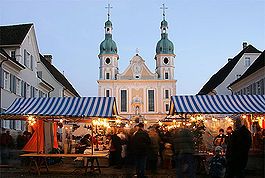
{"x": 164, "y": 53}
{"x": 108, "y": 56}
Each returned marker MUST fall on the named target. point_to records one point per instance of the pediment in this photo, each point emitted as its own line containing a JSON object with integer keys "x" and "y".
{"x": 137, "y": 70}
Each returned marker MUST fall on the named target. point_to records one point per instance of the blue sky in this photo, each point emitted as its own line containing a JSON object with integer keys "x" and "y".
{"x": 205, "y": 34}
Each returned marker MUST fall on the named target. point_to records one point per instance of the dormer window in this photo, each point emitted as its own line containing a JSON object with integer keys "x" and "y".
{"x": 247, "y": 61}
{"x": 13, "y": 54}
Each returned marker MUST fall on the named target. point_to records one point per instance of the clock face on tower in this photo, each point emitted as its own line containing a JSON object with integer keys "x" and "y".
{"x": 166, "y": 61}
{"x": 107, "y": 60}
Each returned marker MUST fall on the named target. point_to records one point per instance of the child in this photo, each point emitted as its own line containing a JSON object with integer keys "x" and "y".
{"x": 217, "y": 164}
{"x": 167, "y": 156}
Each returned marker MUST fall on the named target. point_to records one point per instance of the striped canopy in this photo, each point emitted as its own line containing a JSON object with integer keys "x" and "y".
{"x": 217, "y": 104}
{"x": 64, "y": 106}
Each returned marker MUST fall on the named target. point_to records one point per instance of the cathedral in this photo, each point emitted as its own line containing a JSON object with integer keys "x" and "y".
{"x": 142, "y": 95}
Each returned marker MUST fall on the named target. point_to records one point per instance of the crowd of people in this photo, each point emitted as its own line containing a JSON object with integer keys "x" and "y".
{"x": 8, "y": 143}
{"x": 157, "y": 148}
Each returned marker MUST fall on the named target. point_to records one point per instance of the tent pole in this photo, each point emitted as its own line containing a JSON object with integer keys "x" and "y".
{"x": 92, "y": 146}
{"x": 37, "y": 130}
{"x": 252, "y": 134}
{"x": 185, "y": 120}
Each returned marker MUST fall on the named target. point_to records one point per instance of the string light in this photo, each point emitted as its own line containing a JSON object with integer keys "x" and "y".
{"x": 31, "y": 120}
{"x": 101, "y": 122}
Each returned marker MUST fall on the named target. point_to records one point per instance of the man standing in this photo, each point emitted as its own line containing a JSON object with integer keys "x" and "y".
{"x": 6, "y": 144}
{"x": 240, "y": 144}
{"x": 141, "y": 144}
{"x": 184, "y": 150}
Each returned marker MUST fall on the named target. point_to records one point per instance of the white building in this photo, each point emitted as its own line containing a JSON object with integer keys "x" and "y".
{"x": 253, "y": 80}
{"x": 232, "y": 70}
{"x": 138, "y": 90}
{"x": 20, "y": 63}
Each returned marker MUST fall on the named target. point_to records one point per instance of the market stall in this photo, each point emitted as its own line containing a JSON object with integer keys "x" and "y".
{"x": 206, "y": 115}
{"x": 37, "y": 111}
{"x": 217, "y": 111}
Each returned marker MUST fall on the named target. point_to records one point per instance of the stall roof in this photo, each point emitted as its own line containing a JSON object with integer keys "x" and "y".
{"x": 217, "y": 104}
{"x": 63, "y": 107}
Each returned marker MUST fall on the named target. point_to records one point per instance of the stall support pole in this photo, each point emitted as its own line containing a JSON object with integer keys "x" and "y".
{"x": 185, "y": 116}
{"x": 252, "y": 133}
{"x": 92, "y": 130}
{"x": 37, "y": 133}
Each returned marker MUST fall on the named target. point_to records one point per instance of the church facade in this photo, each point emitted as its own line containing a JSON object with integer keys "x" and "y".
{"x": 140, "y": 93}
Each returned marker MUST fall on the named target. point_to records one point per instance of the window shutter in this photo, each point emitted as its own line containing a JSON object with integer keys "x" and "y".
{"x": 1, "y": 78}
{"x": 15, "y": 84}
{"x": 25, "y": 57}
{"x": 22, "y": 88}
{"x": 31, "y": 62}
{"x": 11, "y": 83}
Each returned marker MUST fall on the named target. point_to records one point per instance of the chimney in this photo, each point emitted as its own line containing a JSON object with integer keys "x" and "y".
{"x": 48, "y": 57}
{"x": 229, "y": 59}
{"x": 245, "y": 45}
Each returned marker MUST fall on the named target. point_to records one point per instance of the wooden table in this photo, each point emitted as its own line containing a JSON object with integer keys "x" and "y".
{"x": 41, "y": 159}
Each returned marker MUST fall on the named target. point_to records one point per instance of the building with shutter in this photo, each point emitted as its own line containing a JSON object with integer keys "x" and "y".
{"x": 26, "y": 73}
{"x": 231, "y": 71}
{"x": 252, "y": 82}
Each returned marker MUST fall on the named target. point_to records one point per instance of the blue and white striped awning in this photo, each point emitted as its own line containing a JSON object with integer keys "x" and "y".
{"x": 217, "y": 104}
{"x": 64, "y": 106}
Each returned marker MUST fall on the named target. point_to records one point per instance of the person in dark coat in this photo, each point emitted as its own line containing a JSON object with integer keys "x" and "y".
{"x": 217, "y": 164}
{"x": 228, "y": 138}
{"x": 141, "y": 145}
{"x": 184, "y": 150}
{"x": 21, "y": 141}
{"x": 219, "y": 140}
{"x": 115, "y": 151}
{"x": 154, "y": 150}
{"x": 237, "y": 157}
{"x": 7, "y": 143}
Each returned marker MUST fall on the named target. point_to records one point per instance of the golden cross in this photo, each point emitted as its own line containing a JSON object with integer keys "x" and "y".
{"x": 164, "y": 10}
{"x": 108, "y": 7}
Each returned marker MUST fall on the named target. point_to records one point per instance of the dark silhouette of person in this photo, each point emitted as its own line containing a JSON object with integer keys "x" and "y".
{"x": 154, "y": 150}
{"x": 184, "y": 150}
{"x": 21, "y": 141}
{"x": 239, "y": 147}
{"x": 141, "y": 145}
{"x": 7, "y": 143}
{"x": 115, "y": 151}
{"x": 219, "y": 140}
